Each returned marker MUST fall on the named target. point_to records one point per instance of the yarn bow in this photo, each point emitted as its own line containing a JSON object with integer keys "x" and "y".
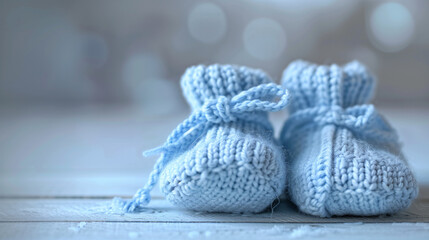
{"x": 362, "y": 120}
{"x": 262, "y": 98}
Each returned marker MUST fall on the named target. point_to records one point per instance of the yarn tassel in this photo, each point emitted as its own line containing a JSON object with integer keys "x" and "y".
{"x": 142, "y": 196}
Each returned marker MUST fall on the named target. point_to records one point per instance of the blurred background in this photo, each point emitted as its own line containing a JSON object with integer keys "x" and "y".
{"x": 85, "y": 86}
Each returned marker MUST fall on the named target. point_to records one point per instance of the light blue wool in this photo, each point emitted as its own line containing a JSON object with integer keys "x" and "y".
{"x": 344, "y": 159}
{"x": 223, "y": 158}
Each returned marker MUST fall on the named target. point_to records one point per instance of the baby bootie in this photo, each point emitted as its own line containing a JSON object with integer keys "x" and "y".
{"x": 344, "y": 158}
{"x": 223, "y": 158}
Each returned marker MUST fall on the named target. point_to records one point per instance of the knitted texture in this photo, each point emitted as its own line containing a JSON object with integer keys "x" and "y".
{"x": 223, "y": 158}
{"x": 344, "y": 159}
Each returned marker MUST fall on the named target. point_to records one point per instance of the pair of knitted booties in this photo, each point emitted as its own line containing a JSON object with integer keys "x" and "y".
{"x": 336, "y": 154}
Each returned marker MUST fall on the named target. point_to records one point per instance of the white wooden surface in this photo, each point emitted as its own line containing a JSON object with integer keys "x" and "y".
{"x": 59, "y": 169}
{"x": 159, "y": 210}
{"x": 248, "y": 231}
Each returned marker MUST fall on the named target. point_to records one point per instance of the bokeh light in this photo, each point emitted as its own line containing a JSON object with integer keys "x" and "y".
{"x": 264, "y": 39}
{"x": 391, "y": 27}
{"x": 207, "y": 23}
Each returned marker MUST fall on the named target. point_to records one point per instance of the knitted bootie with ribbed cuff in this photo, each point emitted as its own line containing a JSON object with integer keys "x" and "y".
{"x": 223, "y": 158}
{"x": 344, "y": 157}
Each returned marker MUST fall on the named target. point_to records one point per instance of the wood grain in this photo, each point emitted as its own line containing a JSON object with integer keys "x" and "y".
{"x": 94, "y": 210}
{"x": 248, "y": 231}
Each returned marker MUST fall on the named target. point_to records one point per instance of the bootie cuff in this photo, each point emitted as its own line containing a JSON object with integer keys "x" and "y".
{"x": 201, "y": 83}
{"x": 318, "y": 86}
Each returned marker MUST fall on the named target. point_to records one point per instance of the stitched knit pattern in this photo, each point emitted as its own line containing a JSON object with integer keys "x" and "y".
{"x": 344, "y": 157}
{"x": 234, "y": 166}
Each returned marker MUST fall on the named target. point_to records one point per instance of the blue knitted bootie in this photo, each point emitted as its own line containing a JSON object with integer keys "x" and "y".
{"x": 344, "y": 158}
{"x": 223, "y": 158}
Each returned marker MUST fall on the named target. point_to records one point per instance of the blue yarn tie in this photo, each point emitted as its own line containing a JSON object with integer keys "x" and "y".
{"x": 362, "y": 120}
{"x": 263, "y": 98}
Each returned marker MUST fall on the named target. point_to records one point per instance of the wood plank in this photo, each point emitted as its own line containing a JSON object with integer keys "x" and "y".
{"x": 248, "y": 231}
{"x": 82, "y": 210}
{"x": 89, "y": 184}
